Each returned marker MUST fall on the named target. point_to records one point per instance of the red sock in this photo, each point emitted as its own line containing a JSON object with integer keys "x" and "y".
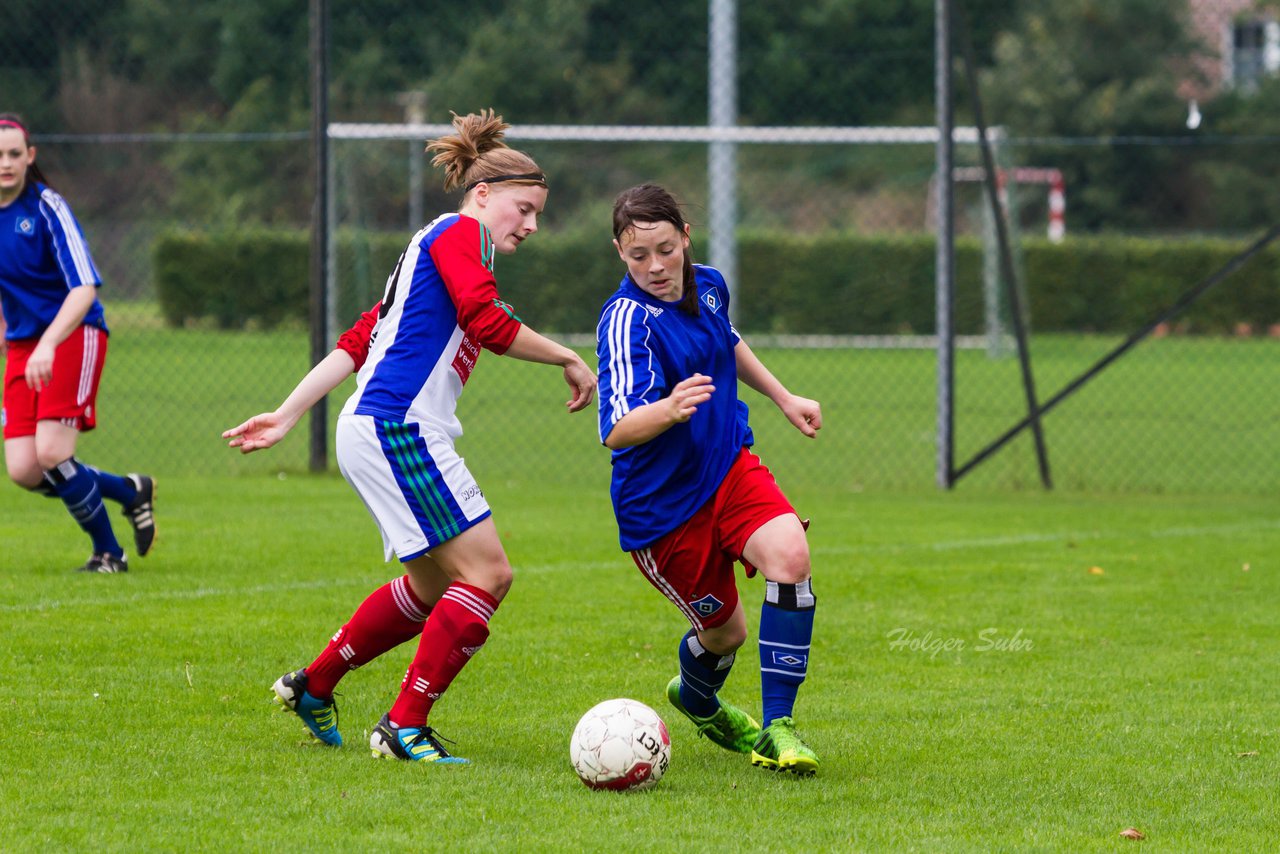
{"x": 390, "y": 616}
{"x": 458, "y": 627}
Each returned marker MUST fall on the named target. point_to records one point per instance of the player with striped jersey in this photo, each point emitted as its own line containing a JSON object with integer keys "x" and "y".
{"x": 415, "y": 352}
{"x": 689, "y": 496}
{"x": 55, "y": 342}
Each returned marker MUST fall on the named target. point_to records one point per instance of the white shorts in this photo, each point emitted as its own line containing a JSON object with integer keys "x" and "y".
{"x": 412, "y": 480}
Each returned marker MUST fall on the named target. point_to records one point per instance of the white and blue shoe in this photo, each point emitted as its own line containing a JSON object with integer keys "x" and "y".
{"x": 320, "y": 717}
{"x": 414, "y": 744}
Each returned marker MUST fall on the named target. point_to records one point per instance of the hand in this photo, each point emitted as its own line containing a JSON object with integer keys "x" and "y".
{"x": 582, "y": 380}
{"x": 258, "y": 433}
{"x": 804, "y": 413}
{"x": 687, "y": 396}
{"x": 40, "y": 367}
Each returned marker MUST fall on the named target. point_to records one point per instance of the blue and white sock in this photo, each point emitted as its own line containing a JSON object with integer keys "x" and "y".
{"x": 786, "y": 629}
{"x": 702, "y": 675}
{"x": 78, "y": 489}
{"x": 112, "y": 486}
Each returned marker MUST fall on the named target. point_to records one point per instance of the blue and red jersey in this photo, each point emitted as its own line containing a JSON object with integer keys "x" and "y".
{"x": 644, "y": 347}
{"x": 440, "y": 307}
{"x": 43, "y": 255}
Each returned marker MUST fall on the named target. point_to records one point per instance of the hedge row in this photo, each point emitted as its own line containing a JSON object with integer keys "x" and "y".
{"x": 829, "y": 284}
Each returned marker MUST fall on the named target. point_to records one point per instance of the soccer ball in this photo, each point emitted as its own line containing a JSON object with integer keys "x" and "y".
{"x": 620, "y": 744}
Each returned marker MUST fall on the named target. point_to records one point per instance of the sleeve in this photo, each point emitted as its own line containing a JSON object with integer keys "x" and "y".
{"x": 629, "y": 374}
{"x": 356, "y": 340}
{"x": 69, "y": 246}
{"x": 464, "y": 255}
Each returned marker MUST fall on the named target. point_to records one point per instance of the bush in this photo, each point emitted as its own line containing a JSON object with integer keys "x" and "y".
{"x": 823, "y": 284}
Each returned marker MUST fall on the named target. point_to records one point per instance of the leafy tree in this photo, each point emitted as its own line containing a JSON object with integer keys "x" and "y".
{"x": 1074, "y": 70}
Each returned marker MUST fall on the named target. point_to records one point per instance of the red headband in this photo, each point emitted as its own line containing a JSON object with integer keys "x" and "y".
{"x": 26, "y": 137}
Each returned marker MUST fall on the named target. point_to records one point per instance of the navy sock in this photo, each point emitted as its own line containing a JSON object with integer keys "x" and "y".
{"x": 112, "y": 486}
{"x": 78, "y": 489}
{"x": 702, "y": 674}
{"x": 786, "y": 629}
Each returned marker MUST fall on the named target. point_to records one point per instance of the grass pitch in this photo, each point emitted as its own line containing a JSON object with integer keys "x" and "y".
{"x": 989, "y": 673}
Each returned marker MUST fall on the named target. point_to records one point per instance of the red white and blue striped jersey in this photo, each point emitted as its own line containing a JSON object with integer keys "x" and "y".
{"x": 43, "y": 255}
{"x": 440, "y": 307}
{"x": 644, "y": 347}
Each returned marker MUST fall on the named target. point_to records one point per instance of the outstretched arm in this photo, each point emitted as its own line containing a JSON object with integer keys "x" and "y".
{"x": 263, "y": 431}
{"x": 529, "y": 346}
{"x": 802, "y": 412}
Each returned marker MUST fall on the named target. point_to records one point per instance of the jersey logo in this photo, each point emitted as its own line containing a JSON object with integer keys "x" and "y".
{"x": 25, "y": 225}
{"x": 790, "y": 659}
{"x": 707, "y": 605}
{"x": 654, "y": 310}
{"x": 464, "y": 361}
{"x": 712, "y": 300}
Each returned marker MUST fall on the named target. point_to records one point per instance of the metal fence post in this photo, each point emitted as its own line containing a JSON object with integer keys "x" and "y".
{"x": 722, "y": 162}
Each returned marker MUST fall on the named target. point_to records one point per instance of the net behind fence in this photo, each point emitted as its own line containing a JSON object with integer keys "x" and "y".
{"x": 187, "y": 167}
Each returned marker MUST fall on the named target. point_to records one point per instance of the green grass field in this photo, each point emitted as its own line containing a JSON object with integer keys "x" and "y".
{"x": 1180, "y": 415}
{"x": 974, "y": 685}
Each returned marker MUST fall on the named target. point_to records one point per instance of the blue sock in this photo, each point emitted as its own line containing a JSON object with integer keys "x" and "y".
{"x": 78, "y": 489}
{"x": 702, "y": 674}
{"x": 786, "y": 628}
{"x": 113, "y": 486}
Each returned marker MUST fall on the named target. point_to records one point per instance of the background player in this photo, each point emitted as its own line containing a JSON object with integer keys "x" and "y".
{"x": 395, "y": 439}
{"x": 689, "y": 496}
{"x": 55, "y": 336}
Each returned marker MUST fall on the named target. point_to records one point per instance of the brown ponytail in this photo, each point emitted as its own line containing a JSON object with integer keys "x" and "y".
{"x": 476, "y": 153}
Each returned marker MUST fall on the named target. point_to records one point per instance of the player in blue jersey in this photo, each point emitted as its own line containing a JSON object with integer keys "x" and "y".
{"x": 689, "y": 496}
{"x": 55, "y": 343}
{"x": 414, "y": 352}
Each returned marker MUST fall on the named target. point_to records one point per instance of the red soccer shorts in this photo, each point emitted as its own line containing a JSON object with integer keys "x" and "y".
{"x": 693, "y": 565}
{"x": 71, "y": 397}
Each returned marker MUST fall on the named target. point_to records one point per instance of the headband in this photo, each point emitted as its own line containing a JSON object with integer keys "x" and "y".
{"x": 537, "y": 177}
{"x": 10, "y": 123}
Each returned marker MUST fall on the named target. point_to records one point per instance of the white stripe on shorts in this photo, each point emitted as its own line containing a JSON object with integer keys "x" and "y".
{"x": 650, "y": 568}
{"x": 87, "y": 361}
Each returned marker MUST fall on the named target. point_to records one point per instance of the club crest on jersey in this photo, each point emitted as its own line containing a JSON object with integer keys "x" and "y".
{"x": 707, "y": 605}
{"x": 712, "y": 299}
{"x": 25, "y": 225}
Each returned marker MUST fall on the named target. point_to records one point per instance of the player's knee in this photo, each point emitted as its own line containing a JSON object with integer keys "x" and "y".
{"x": 496, "y": 579}
{"x": 724, "y": 640}
{"x": 27, "y": 475}
{"x": 788, "y": 562}
{"x": 50, "y": 456}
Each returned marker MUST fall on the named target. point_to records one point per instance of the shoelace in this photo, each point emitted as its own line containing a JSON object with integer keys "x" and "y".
{"x": 433, "y": 738}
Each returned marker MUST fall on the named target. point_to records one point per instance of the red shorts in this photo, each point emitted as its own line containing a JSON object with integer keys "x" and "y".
{"x": 693, "y": 565}
{"x": 71, "y": 395}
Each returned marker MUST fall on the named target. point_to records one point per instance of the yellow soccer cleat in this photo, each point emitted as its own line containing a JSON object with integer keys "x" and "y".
{"x": 779, "y": 748}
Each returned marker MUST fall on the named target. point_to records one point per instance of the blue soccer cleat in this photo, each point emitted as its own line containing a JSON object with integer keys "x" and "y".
{"x": 320, "y": 717}
{"x": 413, "y": 744}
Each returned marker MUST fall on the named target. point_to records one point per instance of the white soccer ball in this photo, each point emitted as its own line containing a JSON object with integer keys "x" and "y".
{"x": 620, "y": 744}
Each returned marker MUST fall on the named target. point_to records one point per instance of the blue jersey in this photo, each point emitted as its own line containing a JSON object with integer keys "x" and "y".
{"x": 645, "y": 346}
{"x": 43, "y": 255}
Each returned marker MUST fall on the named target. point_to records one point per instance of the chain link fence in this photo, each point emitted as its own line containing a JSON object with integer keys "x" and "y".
{"x": 177, "y": 132}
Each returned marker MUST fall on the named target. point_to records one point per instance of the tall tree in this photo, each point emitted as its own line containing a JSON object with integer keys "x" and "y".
{"x": 1086, "y": 80}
